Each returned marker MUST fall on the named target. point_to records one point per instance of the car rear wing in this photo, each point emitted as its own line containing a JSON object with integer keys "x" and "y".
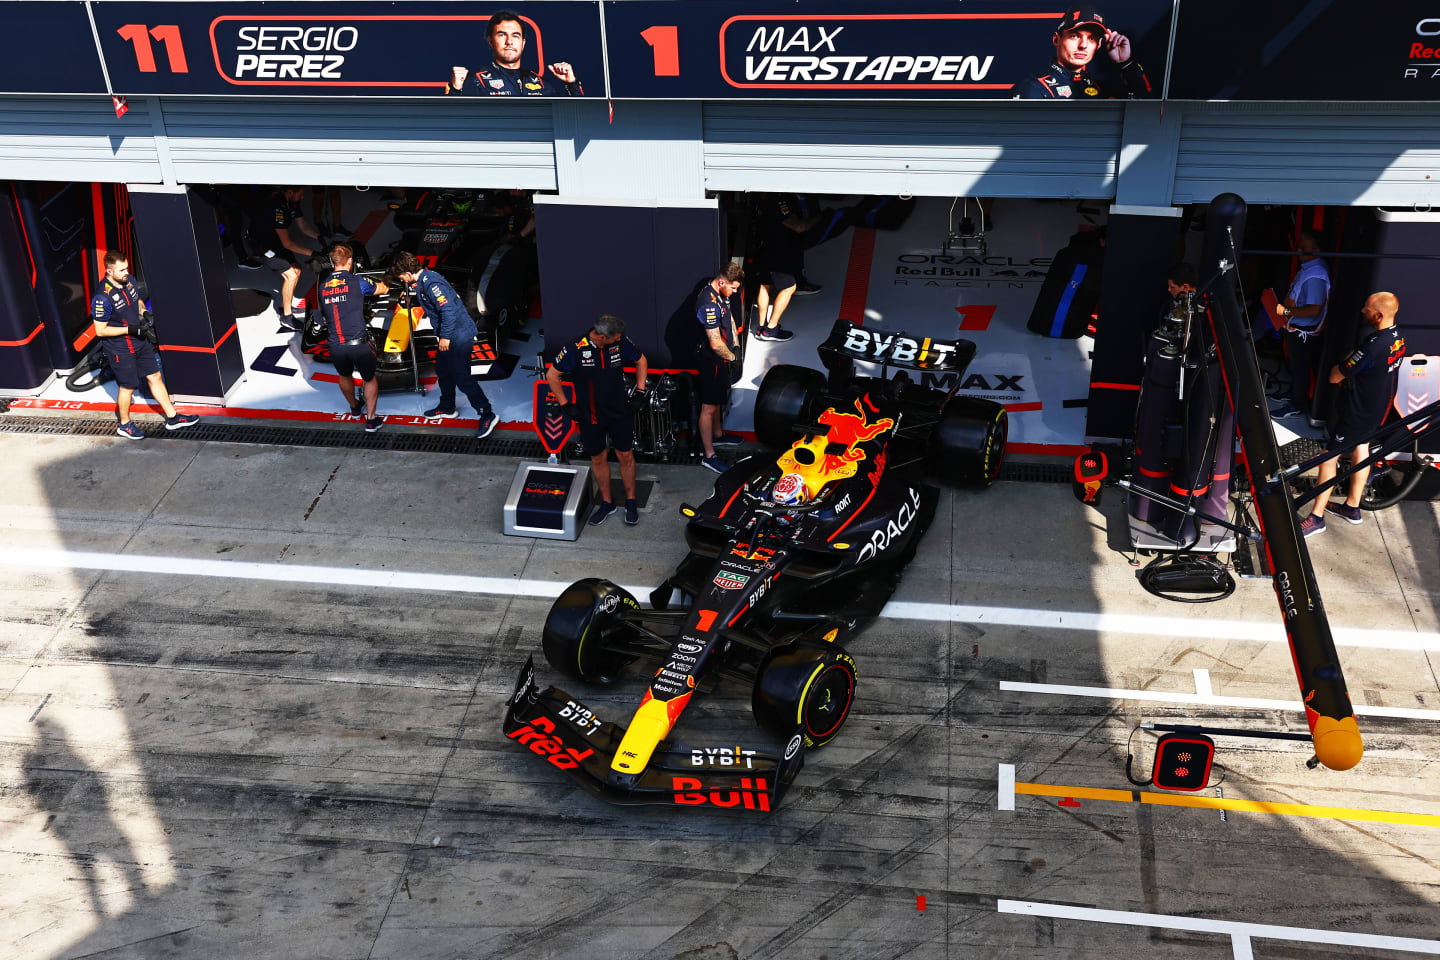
{"x": 564, "y": 732}
{"x": 849, "y": 343}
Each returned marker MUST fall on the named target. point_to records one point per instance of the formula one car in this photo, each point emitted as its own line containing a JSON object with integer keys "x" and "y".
{"x": 788, "y": 558}
{"x": 474, "y": 242}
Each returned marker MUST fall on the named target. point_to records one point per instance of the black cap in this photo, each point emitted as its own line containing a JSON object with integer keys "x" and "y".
{"x": 1080, "y": 14}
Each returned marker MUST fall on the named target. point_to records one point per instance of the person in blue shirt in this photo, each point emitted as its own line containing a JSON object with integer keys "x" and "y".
{"x": 342, "y": 303}
{"x": 505, "y": 77}
{"x": 603, "y": 409}
{"x": 457, "y": 333}
{"x": 1303, "y": 311}
{"x": 127, "y": 335}
{"x": 1367, "y": 379}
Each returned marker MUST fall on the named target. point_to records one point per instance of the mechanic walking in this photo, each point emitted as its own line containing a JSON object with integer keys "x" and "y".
{"x": 457, "y": 333}
{"x": 342, "y": 303}
{"x": 1303, "y": 311}
{"x": 271, "y": 214}
{"x": 1367, "y": 379}
{"x": 717, "y": 361}
{"x": 128, "y": 339}
{"x": 596, "y": 365}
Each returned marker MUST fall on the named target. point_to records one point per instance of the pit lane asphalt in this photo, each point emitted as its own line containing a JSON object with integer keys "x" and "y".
{"x": 201, "y": 765}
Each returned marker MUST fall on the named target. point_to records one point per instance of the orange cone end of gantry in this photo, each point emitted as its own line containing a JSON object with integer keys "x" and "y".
{"x": 1337, "y": 742}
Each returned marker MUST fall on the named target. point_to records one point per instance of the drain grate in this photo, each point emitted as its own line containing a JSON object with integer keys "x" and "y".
{"x": 398, "y": 440}
{"x": 1300, "y": 450}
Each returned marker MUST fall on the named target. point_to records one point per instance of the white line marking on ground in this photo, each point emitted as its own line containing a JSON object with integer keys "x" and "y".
{"x": 1202, "y": 683}
{"x": 1241, "y": 945}
{"x": 1169, "y": 627}
{"x": 1200, "y": 627}
{"x": 1006, "y": 797}
{"x": 1158, "y": 696}
{"x": 1233, "y": 928}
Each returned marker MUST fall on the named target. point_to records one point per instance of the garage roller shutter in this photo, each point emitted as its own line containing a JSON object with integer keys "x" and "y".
{"x": 76, "y": 138}
{"x": 980, "y": 149}
{"x": 1375, "y": 154}
{"x": 438, "y": 143}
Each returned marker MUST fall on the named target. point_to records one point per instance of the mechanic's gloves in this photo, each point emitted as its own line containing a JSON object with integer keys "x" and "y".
{"x": 638, "y": 399}
{"x": 736, "y": 369}
{"x": 145, "y": 329}
{"x": 572, "y": 410}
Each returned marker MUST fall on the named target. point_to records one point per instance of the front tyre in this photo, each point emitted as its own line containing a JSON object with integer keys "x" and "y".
{"x": 967, "y": 447}
{"x": 806, "y": 687}
{"x": 576, "y": 628}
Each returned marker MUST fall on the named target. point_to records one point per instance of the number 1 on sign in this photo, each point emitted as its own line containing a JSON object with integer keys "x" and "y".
{"x": 168, "y": 34}
{"x": 666, "y": 44}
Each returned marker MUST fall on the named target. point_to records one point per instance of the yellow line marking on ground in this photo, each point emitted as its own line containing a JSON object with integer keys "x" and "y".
{"x": 1218, "y": 803}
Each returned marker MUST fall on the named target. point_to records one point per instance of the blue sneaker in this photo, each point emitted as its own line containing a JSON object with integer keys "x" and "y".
{"x": 715, "y": 464}
{"x": 602, "y": 510}
{"x": 728, "y": 440}
{"x": 488, "y": 423}
{"x": 130, "y": 432}
{"x": 180, "y": 421}
{"x": 632, "y": 513}
{"x": 1312, "y": 525}
{"x": 1345, "y": 512}
{"x": 440, "y": 413}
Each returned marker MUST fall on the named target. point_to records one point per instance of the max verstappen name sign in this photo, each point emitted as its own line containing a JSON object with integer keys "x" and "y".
{"x": 849, "y": 49}
{"x": 330, "y": 49}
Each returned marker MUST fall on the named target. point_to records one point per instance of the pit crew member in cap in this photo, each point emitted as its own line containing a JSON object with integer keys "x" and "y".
{"x": 717, "y": 360}
{"x": 342, "y": 302}
{"x": 127, "y": 335}
{"x": 1079, "y": 36}
{"x": 596, "y": 365}
{"x": 505, "y": 77}
{"x": 1367, "y": 379}
{"x": 268, "y": 235}
{"x": 457, "y": 333}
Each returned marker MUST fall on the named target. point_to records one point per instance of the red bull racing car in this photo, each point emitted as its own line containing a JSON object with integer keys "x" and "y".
{"x": 794, "y": 552}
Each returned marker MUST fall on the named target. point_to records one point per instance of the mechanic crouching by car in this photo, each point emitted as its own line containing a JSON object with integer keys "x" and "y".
{"x": 596, "y": 365}
{"x": 128, "y": 335}
{"x": 342, "y": 303}
{"x": 457, "y": 333}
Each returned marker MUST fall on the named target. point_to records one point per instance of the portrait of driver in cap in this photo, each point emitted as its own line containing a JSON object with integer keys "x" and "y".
{"x": 1079, "y": 37}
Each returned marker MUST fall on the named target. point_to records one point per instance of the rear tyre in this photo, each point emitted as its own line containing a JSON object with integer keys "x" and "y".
{"x": 967, "y": 447}
{"x": 788, "y": 395}
{"x": 806, "y": 687}
{"x": 576, "y": 628}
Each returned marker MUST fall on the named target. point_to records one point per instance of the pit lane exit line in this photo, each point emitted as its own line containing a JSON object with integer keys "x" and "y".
{"x": 549, "y": 589}
{"x": 1009, "y": 789}
{"x": 1240, "y": 933}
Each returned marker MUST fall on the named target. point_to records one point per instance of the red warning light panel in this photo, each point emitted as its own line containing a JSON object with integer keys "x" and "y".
{"x": 1182, "y": 761}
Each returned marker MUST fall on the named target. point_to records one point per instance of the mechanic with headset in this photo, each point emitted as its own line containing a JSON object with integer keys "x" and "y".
{"x": 342, "y": 303}
{"x": 596, "y": 365}
{"x": 1078, "y": 37}
{"x": 718, "y": 362}
{"x": 505, "y": 77}
{"x": 457, "y": 333}
{"x": 1367, "y": 378}
{"x": 271, "y": 214}
{"x": 127, "y": 333}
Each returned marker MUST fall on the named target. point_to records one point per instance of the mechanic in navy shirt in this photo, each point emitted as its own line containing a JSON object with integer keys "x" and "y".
{"x": 342, "y": 303}
{"x": 717, "y": 360}
{"x": 127, "y": 335}
{"x": 596, "y": 365}
{"x": 505, "y": 77}
{"x": 457, "y": 333}
{"x": 1078, "y": 37}
{"x": 268, "y": 234}
{"x": 1367, "y": 379}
